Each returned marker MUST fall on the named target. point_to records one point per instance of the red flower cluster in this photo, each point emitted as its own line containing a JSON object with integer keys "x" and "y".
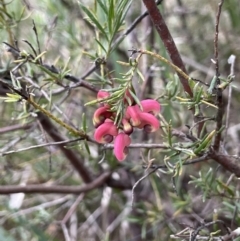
{"x": 135, "y": 116}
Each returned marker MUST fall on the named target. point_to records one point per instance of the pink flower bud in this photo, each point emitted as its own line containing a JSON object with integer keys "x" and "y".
{"x": 105, "y": 132}
{"x": 149, "y": 122}
{"x": 100, "y": 115}
{"x": 122, "y": 141}
{"x": 102, "y": 95}
{"x": 127, "y": 127}
{"x": 151, "y": 106}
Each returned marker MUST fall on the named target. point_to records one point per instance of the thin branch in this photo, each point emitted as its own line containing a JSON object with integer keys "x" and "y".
{"x": 189, "y": 234}
{"x": 228, "y": 162}
{"x": 78, "y": 81}
{"x": 205, "y": 225}
{"x": 81, "y": 83}
{"x": 183, "y": 136}
{"x": 140, "y": 145}
{"x": 138, "y": 181}
{"x": 72, "y": 208}
{"x": 40, "y": 145}
{"x": 96, "y": 183}
{"x": 12, "y": 143}
{"x": 200, "y": 121}
{"x": 40, "y": 206}
{"x": 33, "y": 83}
{"x": 16, "y": 127}
{"x": 216, "y": 61}
{"x": 118, "y": 220}
{"x": 65, "y": 232}
{"x": 86, "y": 74}
{"x": 190, "y": 162}
{"x": 220, "y": 112}
{"x": 198, "y": 237}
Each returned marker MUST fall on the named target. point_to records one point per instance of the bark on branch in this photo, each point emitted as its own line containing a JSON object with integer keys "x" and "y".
{"x": 74, "y": 159}
{"x": 98, "y": 182}
{"x": 167, "y": 39}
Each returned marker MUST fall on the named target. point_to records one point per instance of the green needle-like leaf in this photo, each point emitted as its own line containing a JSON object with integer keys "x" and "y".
{"x": 94, "y": 20}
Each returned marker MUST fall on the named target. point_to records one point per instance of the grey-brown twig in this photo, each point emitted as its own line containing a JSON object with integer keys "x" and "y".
{"x": 41, "y": 188}
{"x": 190, "y": 162}
{"x": 219, "y": 116}
{"x": 38, "y": 146}
{"x": 16, "y": 127}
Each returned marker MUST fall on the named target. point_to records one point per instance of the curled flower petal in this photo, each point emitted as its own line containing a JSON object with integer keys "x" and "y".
{"x": 105, "y": 132}
{"x": 122, "y": 141}
{"x": 100, "y": 115}
{"x": 151, "y": 106}
{"x": 102, "y": 94}
{"x": 109, "y": 120}
{"x": 132, "y": 114}
{"x": 127, "y": 127}
{"x": 149, "y": 122}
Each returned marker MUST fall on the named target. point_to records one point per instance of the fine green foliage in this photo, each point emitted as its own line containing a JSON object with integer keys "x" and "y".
{"x": 108, "y": 18}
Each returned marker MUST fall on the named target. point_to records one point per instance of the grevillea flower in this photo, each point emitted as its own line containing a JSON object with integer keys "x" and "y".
{"x": 135, "y": 116}
{"x": 149, "y": 122}
{"x": 121, "y": 142}
{"x": 102, "y": 95}
{"x": 132, "y": 114}
{"x": 150, "y": 106}
{"x": 100, "y": 115}
{"x": 105, "y": 132}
